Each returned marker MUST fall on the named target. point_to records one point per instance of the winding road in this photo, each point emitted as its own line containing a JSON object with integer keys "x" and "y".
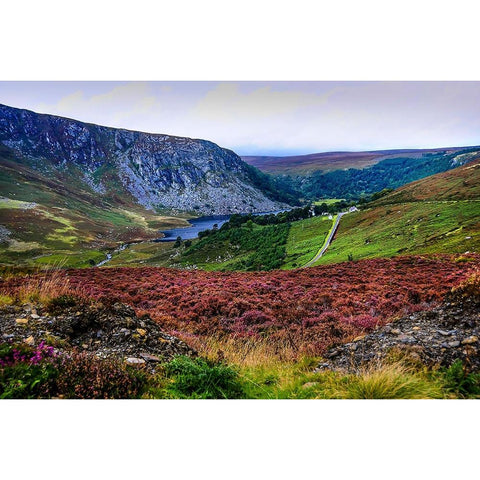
{"x": 327, "y": 241}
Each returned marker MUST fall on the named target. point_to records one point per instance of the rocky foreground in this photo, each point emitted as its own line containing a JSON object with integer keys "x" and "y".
{"x": 104, "y": 331}
{"x": 435, "y": 338}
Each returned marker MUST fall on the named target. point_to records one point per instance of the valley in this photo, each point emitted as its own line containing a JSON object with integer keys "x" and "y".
{"x": 99, "y": 264}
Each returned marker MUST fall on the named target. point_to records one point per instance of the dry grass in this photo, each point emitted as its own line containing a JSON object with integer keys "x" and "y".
{"x": 41, "y": 286}
{"x": 381, "y": 381}
{"x": 244, "y": 352}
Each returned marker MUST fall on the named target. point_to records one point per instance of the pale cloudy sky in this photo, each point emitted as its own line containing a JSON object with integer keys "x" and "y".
{"x": 271, "y": 118}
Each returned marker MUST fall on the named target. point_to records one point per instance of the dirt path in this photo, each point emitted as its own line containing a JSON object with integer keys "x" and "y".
{"x": 327, "y": 241}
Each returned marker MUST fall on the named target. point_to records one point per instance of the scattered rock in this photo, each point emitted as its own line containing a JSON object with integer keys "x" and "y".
{"x": 113, "y": 331}
{"x": 30, "y": 340}
{"x": 437, "y": 337}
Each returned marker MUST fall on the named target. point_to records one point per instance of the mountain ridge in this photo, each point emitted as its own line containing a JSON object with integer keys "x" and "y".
{"x": 157, "y": 170}
{"x": 334, "y": 160}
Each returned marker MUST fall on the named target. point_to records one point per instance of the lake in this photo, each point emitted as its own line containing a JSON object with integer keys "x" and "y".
{"x": 198, "y": 225}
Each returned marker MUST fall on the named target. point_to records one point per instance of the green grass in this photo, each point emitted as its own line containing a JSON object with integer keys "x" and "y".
{"x": 328, "y": 201}
{"x": 304, "y": 240}
{"x": 68, "y": 259}
{"x": 200, "y": 378}
{"x": 67, "y": 216}
{"x": 403, "y": 229}
{"x": 277, "y": 380}
{"x": 148, "y": 253}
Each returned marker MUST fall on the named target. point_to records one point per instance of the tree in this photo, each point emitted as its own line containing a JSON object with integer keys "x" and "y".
{"x": 178, "y": 242}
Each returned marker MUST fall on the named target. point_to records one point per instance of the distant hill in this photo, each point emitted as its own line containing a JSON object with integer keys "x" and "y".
{"x": 330, "y": 161}
{"x": 350, "y": 175}
{"x": 66, "y": 185}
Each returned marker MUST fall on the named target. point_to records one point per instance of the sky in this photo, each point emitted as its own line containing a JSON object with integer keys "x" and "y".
{"x": 270, "y": 118}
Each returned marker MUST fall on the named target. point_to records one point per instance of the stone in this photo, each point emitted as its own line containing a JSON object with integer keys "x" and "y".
{"x": 30, "y": 340}
{"x": 396, "y": 331}
{"x": 416, "y": 328}
{"x": 134, "y": 361}
{"x": 150, "y": 358}
{"x": 456, "y": 343}
{"x": 360, "y": 337}
{"x": 141, "y": 331}
{"x": 470, "y": 340}
{"x": 443, "y": 332}
{"x": 34, "y": 316}
{"x": 21, "y": 321}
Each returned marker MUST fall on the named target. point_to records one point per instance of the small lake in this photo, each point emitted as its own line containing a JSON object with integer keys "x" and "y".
{"x": 198, "y": 225}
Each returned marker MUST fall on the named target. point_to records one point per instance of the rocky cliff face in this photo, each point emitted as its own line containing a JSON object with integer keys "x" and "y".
{"x": 158, "y": 171}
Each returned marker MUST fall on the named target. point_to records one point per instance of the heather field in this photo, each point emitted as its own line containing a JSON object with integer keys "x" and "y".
{"x": 298, "y": 312}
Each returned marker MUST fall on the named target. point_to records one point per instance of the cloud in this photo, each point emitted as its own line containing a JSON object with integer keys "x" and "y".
{"x": 118, "y": 107}
{"x": 276, "y": 117}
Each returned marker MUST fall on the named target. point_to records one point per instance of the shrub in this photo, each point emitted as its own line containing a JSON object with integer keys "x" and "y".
{"x": 200, "y": 378}
{"x": 84, "y": 376}
{"x": 24, "y": 370}
{"x": 61, "y": 302}
{"x": 38, "y": 372}
{"x": 456, "y": 380}
{"x": 5, "y": 300}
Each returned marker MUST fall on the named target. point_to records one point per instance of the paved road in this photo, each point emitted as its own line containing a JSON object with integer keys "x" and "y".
{"x": 327, "y": 241}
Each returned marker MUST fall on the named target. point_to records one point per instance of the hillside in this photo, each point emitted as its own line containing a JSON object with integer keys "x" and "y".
{"x": 67, "y": 186}
{"x": 438, "y": 214}
{"x": 157, "y": 171}
{"x": 462, "y": 183}
{"x": 329, "y": 161}
{"x": 352, "y": 175}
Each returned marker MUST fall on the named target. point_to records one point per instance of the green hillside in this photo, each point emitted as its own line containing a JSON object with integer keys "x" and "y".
{"x": 50, "y": 221}
{"x": 439, "y": 214}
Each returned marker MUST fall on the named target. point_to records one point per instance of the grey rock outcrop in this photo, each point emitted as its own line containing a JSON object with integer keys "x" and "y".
{"x": 157, "y": 171}
{"x": 434, "y": 338}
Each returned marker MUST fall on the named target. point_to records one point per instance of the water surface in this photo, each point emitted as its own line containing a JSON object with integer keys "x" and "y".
{"x": 198, "y": 225}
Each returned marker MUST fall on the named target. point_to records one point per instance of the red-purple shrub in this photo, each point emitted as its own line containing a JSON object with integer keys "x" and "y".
{"x": 312, "y": 306}
{"x": 81, "y": 375}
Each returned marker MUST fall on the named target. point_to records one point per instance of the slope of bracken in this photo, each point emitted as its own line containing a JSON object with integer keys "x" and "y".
{"x": 308, "y": 309}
